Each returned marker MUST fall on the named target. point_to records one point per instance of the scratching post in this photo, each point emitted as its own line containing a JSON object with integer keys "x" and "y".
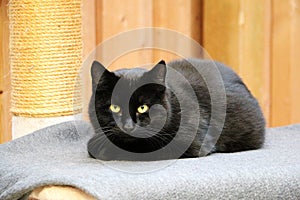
{"x": 45, "y": 58}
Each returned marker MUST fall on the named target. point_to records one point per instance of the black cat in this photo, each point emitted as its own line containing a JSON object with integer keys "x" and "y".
{"x": 170, "y": 112}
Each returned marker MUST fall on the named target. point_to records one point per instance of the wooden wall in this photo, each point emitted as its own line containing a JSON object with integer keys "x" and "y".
{"x": 5, "y": 116}
{"x": 115, "y": 16}
{"x": 238, "y": 33}
{"x": 285, "y": 62}
{"x": 259, "y": 39}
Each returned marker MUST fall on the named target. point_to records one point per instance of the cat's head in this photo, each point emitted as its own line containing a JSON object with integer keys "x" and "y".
{"x": 128, "y": 103}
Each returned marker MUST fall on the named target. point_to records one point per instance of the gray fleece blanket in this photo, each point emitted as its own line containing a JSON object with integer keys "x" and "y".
{"x": 57, "y": 155}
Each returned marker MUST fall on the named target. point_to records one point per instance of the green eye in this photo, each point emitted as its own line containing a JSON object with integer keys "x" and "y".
{"x": 142, "y": 109}
{"x": 114, "y": 108}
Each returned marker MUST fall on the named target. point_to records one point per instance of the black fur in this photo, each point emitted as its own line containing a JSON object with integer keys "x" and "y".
{"x": 243, "y": 129}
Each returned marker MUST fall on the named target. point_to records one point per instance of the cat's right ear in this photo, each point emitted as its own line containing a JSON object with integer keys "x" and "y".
{"x": 158, "y": 72}
{"x": 98, "y": 71}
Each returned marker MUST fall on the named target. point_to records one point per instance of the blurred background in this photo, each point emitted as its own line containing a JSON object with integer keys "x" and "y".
{"x": 259, "y": 39}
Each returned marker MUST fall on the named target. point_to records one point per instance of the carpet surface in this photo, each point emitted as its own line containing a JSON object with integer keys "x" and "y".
{"x": 57, "y": 155}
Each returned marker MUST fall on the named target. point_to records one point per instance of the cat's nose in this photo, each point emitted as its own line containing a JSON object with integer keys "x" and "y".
{"x": 128, "y": 125}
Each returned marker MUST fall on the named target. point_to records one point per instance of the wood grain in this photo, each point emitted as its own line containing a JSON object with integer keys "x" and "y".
{"x": 285, "y": 63}
{"x": 254, "y": 49}
{"x": 119, "y": 16}
{"x": 89, "y": 26}
{"x": 221, "y": 31}
{"x": 182, "y": 16}
{"x": 89, "y": 38}
{"x": 1, "y": 79}
{"x": 237, "y": 33}
{"x": 5, "y": 115}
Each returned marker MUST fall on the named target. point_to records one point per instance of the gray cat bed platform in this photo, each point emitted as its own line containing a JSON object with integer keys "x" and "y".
{"x": 57, "y": 155}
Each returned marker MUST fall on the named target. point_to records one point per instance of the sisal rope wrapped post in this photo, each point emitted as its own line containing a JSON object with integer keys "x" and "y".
{"x": 45, "y": 58}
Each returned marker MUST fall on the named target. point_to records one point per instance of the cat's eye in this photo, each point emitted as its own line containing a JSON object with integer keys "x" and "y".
{"x": 114, "y": 108}
{"x": 142, "y": 109}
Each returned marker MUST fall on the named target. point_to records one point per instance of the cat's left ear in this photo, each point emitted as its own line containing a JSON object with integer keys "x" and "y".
{"x": 158, "y": 72}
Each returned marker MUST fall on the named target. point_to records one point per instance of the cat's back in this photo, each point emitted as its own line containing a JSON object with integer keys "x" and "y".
{"x": 195, "y": 69}
{"x": 207, "y": 75}
{"x": 244, "y": 120}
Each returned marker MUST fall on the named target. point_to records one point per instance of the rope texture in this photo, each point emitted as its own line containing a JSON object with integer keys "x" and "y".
{"x": 45, "y": 57}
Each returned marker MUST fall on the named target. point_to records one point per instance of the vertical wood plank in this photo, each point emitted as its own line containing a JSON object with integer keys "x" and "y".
{"x": 89, "y": 44}
{"x": 221, "y": 31}
{"x": 118, "y": 16}
{"x": 178, "y": 15}
{"x": 5, "y": 115}
{"x": 1, "y": 78}
{"x": 237, "y": 33}
{"x": 89, "y": 26}
{"x": 295, "y": 61}
{"x": 254, "y": 49}
{"x": 285, "y": 63}
{"x": 98, "y": 21}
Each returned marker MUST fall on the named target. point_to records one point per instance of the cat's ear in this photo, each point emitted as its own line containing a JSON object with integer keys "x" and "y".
{"x": 98, "y": 71}
{"x": 158, "y": 72}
